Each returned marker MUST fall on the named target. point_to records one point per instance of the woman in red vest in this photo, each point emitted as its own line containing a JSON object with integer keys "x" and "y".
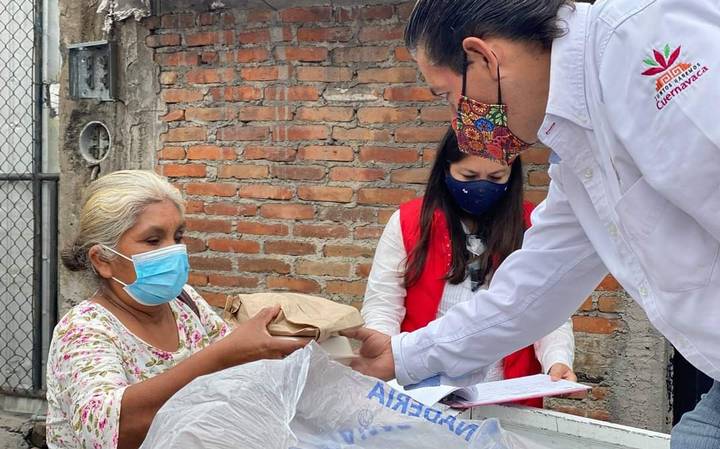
{"x": 437, "y": 250}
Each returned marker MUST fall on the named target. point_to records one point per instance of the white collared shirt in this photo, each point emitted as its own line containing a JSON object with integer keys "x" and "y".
{"x": 635, "y": 191}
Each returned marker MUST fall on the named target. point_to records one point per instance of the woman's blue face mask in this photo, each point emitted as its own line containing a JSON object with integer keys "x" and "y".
{"x": 159, "y": 275}
{"x": 475, "y": 197}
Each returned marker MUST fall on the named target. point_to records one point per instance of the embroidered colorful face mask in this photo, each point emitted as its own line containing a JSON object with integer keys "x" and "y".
{"x": 482, "y": 129}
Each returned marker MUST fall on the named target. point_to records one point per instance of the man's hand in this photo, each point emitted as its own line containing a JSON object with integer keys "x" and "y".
{"x": 376, "y": 357}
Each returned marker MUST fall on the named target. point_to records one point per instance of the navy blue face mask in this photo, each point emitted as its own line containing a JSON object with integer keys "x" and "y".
{"x": 475, "y": 197}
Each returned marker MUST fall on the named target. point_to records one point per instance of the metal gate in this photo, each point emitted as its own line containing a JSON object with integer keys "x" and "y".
{"x": 28, "y": 199}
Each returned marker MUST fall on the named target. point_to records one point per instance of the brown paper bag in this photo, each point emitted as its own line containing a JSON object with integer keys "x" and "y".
{"x": 300, "y": 315}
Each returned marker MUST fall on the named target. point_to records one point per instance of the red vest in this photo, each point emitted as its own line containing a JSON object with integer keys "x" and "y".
{"x": 423, "y": 299}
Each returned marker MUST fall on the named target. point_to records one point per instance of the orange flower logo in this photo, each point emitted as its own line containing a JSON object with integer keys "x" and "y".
{"x": 672, "y": 76}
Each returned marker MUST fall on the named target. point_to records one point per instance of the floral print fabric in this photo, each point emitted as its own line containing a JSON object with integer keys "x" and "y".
{"x": 94, "y": 358}
{"x": 482, "y": 130}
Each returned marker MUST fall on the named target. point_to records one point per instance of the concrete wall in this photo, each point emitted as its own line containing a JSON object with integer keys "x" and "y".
{"x": 294, "y": 133}
{"x": 132, "y": 121}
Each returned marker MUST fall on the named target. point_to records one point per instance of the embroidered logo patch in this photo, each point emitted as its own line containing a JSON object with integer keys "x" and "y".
{"x": 672, "y": 76}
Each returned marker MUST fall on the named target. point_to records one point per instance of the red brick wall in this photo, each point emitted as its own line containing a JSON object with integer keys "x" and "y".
{"x": 294, "y": 135}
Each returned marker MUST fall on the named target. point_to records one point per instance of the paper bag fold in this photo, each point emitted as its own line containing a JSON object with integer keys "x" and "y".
{"x": 300, "y": 316}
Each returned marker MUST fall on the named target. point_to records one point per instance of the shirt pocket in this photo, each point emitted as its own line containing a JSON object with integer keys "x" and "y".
{"x": 677, "y": 254}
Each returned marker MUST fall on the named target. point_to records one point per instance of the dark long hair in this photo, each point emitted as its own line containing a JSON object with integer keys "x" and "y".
{"x": 502, "y": 228}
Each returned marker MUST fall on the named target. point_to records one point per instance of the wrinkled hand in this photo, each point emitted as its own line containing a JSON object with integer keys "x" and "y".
{"x": 376, "y": 358}
{"x": 560, "y": 371}
{"x": 251, "y": 341}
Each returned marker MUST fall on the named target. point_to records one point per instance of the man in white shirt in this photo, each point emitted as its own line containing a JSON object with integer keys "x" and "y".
{"x": 627, "y": 95}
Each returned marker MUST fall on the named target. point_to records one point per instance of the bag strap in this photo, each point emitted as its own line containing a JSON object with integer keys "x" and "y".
{"x": 185, "y": 298}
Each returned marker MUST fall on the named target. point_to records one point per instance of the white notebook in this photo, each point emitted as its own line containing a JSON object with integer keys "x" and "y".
{"x": 499, "y": 392}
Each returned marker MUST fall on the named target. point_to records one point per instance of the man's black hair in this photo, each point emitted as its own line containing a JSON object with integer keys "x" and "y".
{"x": 440, "y": 26}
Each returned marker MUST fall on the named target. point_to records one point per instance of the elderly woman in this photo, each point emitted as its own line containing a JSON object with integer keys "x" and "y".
{"x": 118, "y": 356}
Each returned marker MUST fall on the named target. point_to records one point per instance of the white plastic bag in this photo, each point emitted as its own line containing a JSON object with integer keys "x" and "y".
{"x": 309, "y": 402}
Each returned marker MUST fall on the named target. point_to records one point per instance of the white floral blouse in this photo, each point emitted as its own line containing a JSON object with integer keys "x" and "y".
{"x": 94, "y": 358}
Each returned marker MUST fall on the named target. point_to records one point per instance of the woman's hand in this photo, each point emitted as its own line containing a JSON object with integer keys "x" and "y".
{"x": 561, "y": 371}
{"x": 251, "y": 341}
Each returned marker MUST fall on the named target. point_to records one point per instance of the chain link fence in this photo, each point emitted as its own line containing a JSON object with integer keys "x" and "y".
{"x": 20, "y": 197}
